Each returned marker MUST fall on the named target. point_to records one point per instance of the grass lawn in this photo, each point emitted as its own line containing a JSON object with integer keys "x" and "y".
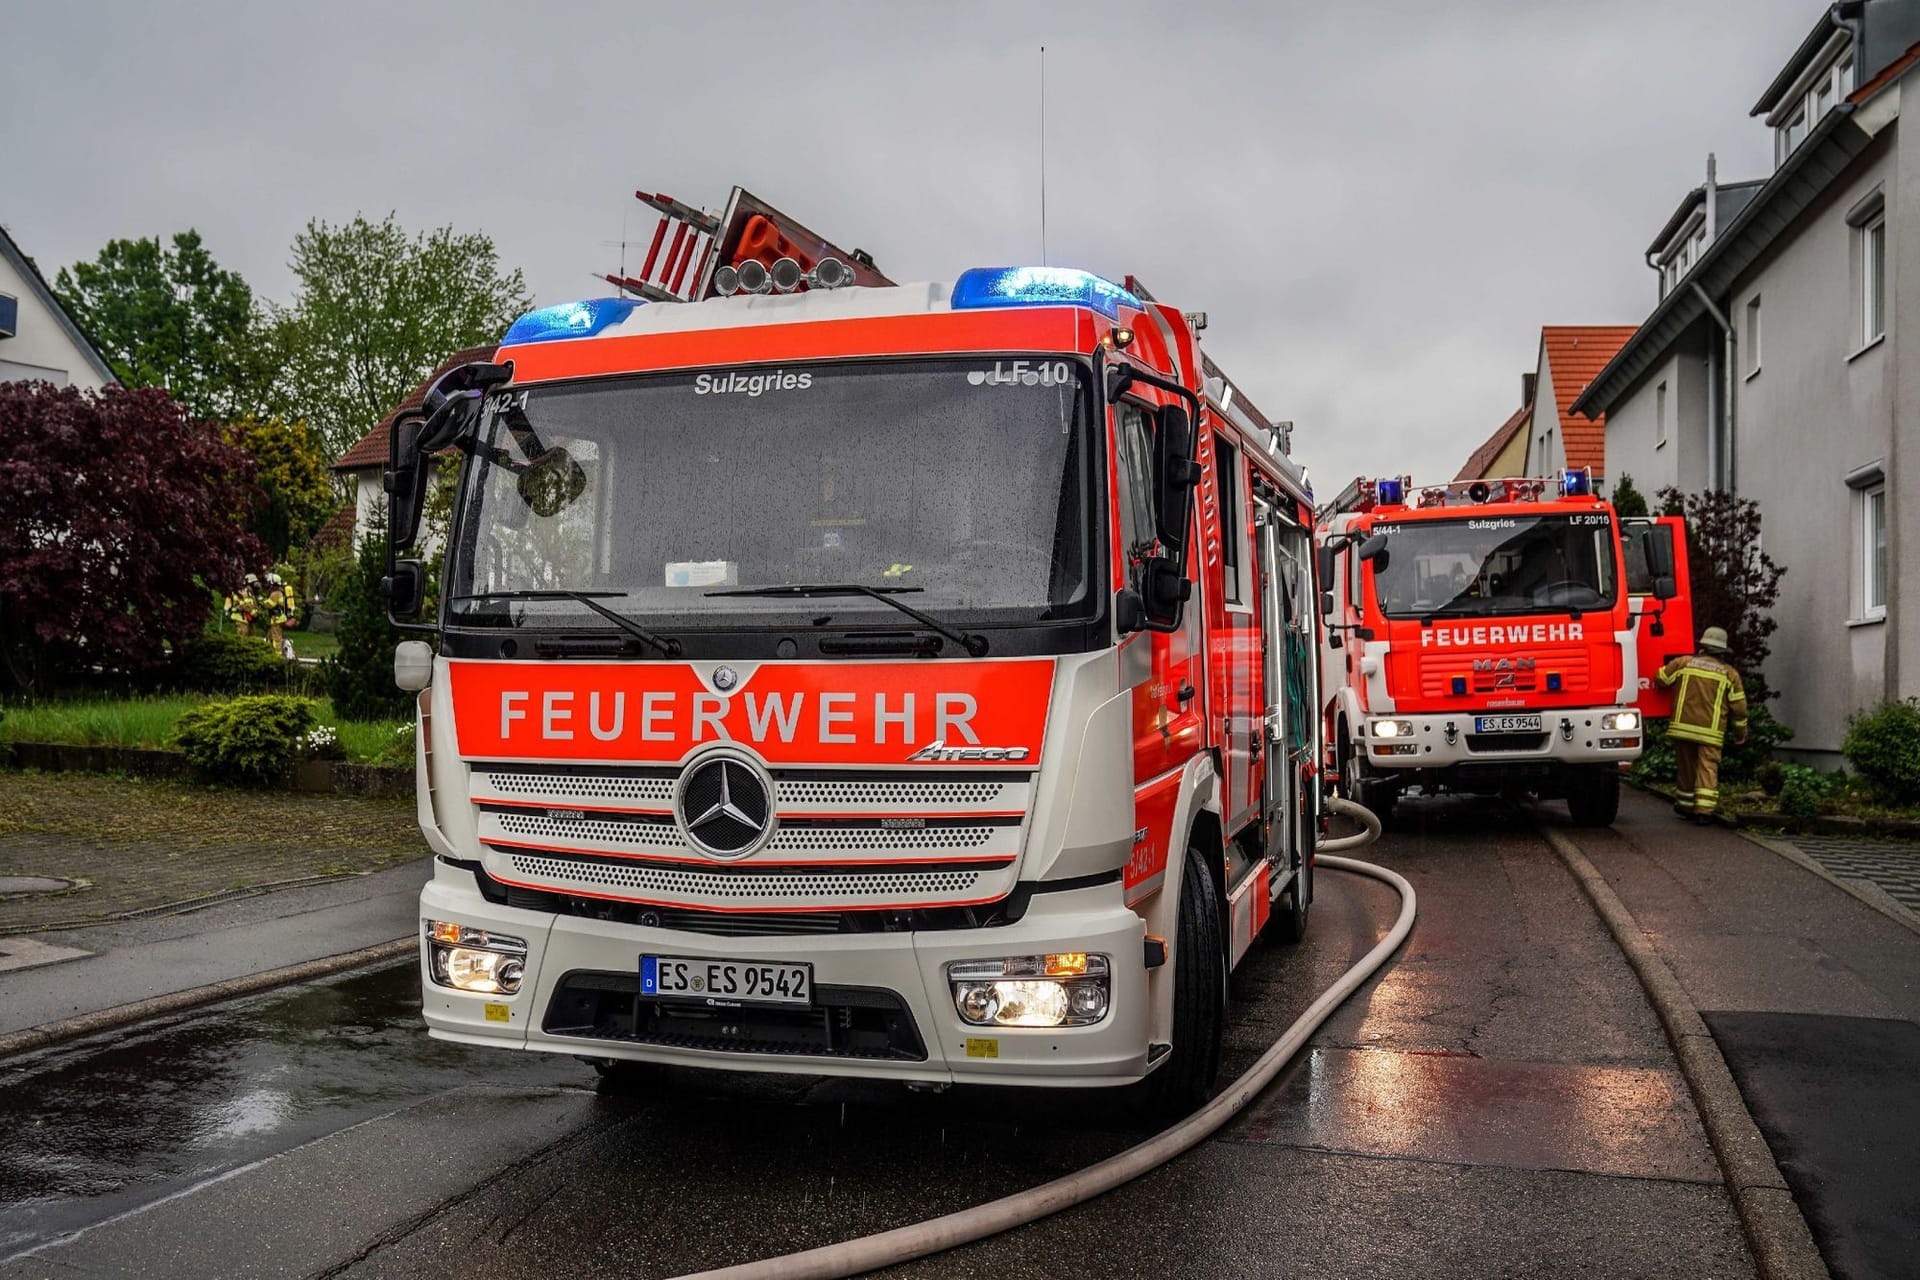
{"x": 148, "y": 722}
{"x": 313, "y": 644}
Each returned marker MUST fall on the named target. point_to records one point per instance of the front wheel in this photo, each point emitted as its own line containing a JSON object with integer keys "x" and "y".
{"x": 1593, "y": 797}
{"x": 1199, "y": 999}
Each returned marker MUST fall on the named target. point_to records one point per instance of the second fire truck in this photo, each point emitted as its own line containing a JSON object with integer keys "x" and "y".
{"x": 1495, "y": 636}
{"x": 907, "y": 681}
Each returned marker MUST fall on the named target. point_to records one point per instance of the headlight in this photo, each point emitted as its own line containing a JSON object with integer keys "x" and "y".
{"x": 1620, "y": 720}
{"x": 475, "y": 960}
{"x": 1066, "y": 989}
{"x": 1393, "y": 728}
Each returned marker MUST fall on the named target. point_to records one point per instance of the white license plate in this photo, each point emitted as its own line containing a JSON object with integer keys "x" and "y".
{"x": 1506, "y": 724}
{"x": 726, "y": 981}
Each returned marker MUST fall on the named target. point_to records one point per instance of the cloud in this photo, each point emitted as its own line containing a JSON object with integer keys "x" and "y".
{"x": 1378, "y": 205}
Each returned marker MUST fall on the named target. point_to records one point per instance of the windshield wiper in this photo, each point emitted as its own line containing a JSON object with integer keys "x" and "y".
{"x": 972, "y": 643}
{"x": 665, "y": 644}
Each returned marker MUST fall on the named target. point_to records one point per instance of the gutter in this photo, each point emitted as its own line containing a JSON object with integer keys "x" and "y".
{"x": 1729, "y": 361}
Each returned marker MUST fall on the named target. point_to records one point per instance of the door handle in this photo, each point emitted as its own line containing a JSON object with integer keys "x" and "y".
{"x": 1185, "y": 693}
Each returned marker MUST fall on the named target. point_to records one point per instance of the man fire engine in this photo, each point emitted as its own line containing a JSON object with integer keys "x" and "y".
{"x": 846, "y": 680}
{"x": 1489, "y": 636}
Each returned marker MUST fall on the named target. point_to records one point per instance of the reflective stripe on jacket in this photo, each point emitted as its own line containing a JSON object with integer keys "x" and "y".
{"x": 1710, "y": 694}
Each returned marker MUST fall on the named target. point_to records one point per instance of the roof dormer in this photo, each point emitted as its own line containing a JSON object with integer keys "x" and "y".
{"x": 1818, "y": 77}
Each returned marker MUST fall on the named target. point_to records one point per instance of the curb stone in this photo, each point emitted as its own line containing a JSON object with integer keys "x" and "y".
{"x": 1777, "y": 1233}
{"x": 50, "y": 1033}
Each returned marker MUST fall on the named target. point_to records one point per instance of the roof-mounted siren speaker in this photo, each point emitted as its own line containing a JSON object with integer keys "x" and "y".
{"x": 726, "y": 281}
{"x": 829, "y": 273}
{"x": 1479, "y": 491}
{"x": 786, "y": 275}
{"x": 754, "y": 276}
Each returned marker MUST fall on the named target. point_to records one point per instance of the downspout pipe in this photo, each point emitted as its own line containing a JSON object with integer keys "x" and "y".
{"x": 1729, "y": 361}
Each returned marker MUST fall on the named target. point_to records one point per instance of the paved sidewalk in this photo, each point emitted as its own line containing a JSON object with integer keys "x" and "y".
{"x": 136, "y": 844}
{"x": 1891, "y": 866}
{"x": 1813, "y": 998}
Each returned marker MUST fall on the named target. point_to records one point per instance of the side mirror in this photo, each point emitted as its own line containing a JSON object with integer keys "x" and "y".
{"x": 1178, "y": 473}
{"x": 1326, "y": 604}
{"x": 1664, "y": 587}
{"x": 1166, "y": 592}
{"x": 406, "y": 588}
{"x": 1325, "y": 565}
{"x": 1657, "y": 544}
{"x": 1374, "y": 547}
{"x": 1129, "y": 611}
{"x": 413, "y": 665}
{"x": 408, "y": 469}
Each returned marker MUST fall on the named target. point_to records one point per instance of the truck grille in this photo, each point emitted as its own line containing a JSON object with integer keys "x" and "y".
{"x": 745, "y": 886}
{"x": 842, "y": 840}
{"x": 1438, "y": 672}
{"x": 845, "y": 1022}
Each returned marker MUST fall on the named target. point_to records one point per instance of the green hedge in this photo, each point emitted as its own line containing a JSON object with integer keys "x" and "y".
{"x": 1883, "y": 746}
{"x": 250, "y": 741}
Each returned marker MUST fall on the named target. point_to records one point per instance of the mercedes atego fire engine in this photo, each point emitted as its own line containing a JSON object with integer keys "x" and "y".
{"x": 1490, "y": 636}
{"x": 900, "y": 681}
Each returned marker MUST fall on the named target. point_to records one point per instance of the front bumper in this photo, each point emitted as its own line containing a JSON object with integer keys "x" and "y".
{"x": 910, "y": 966}
{"x": 1568, "y": 736}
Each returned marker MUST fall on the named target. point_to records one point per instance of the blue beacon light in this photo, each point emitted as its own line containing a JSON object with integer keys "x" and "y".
{"x": 1576, "y": 483}
{"x": 1390, "y": 493}
{"x": 1040, "y": 287}
{"x": 569, "y": 320}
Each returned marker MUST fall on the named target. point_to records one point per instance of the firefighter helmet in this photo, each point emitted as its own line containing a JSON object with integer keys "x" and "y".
{"x": 1714, "y": 639}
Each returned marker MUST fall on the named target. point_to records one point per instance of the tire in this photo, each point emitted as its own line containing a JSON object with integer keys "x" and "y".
{"x": 1593, "y": 797}
{"x": 1186, "y": 1079}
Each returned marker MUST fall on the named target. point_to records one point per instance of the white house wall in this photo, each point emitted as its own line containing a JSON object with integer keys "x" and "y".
{"x": 1633, "y": 447}
{"x": 1819, "y": 408}
{"x": 40, "y": 348}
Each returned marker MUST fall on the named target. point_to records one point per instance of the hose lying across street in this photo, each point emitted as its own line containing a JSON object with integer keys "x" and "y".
{"x": 869, "y": 1253}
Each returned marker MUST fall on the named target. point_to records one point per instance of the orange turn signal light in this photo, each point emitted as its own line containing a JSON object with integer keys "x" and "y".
{"x": 1067, "y": 964}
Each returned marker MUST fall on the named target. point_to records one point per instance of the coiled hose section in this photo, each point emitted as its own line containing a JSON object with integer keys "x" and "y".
{"x": 902, "y": 1244}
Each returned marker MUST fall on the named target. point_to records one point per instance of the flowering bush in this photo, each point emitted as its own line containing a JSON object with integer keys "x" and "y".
{"x": 322, "y": 743}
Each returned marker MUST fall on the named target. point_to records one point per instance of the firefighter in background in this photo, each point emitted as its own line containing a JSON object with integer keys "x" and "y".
{"x": 1711, "y": 702}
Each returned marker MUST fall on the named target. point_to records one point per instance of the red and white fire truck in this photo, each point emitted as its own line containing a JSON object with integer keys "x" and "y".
{"x": 845, "y": 679}
{"x": 1490, "y": 636}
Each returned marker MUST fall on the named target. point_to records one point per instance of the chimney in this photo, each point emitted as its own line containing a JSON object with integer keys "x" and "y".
{"x": 1527, "y": 383}
{"x": 1713, "y": 201}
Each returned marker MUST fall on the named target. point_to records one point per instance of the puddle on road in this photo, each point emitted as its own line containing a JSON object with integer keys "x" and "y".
{"x": 99, "y": 1127}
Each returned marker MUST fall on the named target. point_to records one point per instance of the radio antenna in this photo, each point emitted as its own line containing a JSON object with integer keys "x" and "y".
{"x": 1043, "y": 155}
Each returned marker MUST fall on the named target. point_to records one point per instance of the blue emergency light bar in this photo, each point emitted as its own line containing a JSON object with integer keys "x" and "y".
{"x": 1390, "y": 493}
{"x": 1576, "y": 483}
{"x": 570, "y": 320}
{"x": 1040, "y": 287}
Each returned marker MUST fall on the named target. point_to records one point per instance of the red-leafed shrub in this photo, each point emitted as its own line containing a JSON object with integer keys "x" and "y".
{"x": 120, "y": 517}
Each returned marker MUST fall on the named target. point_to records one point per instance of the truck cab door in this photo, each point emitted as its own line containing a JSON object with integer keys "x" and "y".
{"x": 1664, "y": 630}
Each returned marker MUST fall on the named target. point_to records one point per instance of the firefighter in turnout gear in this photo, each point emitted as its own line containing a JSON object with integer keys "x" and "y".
{"x": 1711, "y": 703}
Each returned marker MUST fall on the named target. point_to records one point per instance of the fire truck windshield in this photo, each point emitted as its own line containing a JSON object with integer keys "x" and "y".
{"x": 1496, "y": 565}
{"x": 955, "y": 479}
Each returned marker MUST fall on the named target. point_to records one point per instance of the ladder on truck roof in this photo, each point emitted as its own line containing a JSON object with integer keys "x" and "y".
{"x": 690, "y": 244}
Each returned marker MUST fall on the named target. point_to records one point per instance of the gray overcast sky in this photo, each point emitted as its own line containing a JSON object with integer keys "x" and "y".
{"x": 1378, "y": 205}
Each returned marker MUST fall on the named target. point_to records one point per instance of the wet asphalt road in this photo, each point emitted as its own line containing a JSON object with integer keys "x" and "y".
{"x": 1499, "y": 1101}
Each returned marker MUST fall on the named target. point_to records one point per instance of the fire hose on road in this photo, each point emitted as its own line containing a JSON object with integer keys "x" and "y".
{"x": 869, "y": 1253}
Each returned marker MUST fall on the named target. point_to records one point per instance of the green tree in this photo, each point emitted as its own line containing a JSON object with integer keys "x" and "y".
{"x": 169, "y": 317}
{"x": 1627, "y": 500}
{"x": 291, "y": 470}
{"x": 374, "y": 311}
{"x": 359, "y": 678}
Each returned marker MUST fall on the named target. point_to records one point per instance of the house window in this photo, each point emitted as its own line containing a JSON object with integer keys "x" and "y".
{"x": 1793, "y": 132}
{"x": 1660, "y": 416}
{"x": 1873, "y": 547}
{"x": 1752, "y": 336}
{"x": 1873, "y": 278}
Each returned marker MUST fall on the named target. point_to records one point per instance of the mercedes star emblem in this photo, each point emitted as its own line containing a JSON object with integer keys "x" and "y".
{"x": 725, "y": 806}
{"x": 724, "y": 678}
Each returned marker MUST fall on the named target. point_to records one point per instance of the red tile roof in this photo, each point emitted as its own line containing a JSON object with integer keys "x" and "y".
{"x": 338, "y": 530}
{"x": 1503, "y": 435}
{"x": 1891, "y": 72}
{"x": 371, "y": 449}
{"x": 1575, "y": 355}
